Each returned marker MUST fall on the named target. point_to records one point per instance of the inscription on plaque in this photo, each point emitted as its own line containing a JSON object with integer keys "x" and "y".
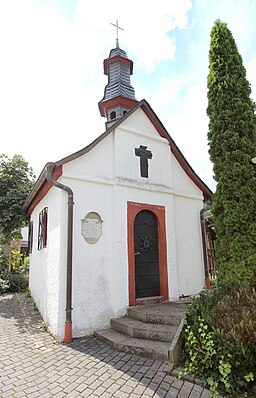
{"x": 92, "y": 227}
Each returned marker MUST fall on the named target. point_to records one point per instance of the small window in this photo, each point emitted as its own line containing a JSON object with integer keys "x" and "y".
{"x": 42, "y": 229}
{"x": 124, "y": 112}
{"x": 112, "y": 115}
{"x": 30, "y": 237}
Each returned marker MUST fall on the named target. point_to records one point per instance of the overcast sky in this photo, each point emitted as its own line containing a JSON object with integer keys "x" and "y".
{"x": 51, "y": 70}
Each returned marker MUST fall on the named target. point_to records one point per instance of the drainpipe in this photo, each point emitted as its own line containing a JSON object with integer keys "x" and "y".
{"x": 68, "y": 323}
{"x": 206, "y": 269}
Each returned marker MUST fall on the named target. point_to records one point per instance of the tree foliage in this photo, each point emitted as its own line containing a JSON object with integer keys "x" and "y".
{"x": 16, "y": 180}
{"x": 232, "y": 143}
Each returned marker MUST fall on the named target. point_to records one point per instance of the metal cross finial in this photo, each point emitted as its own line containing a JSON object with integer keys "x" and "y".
{"x": 117, "y": 27}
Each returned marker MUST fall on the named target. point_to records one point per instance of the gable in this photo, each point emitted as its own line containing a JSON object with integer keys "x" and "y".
{"x": 134, "y": 132}
{"x": 181, "y": 181}
{"x": 97, "y": 163}
{"x": 140, "y": 121}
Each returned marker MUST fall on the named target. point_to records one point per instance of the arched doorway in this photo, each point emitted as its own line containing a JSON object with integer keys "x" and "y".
{"x": 147, "y": 280}
{"x": 146, "y": 231}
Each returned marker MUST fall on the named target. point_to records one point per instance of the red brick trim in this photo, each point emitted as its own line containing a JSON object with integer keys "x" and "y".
{"x": 43, "y": 190}
{"x": 132, "y": 210}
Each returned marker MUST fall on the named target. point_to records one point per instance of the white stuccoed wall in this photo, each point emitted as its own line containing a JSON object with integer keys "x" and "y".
{"x": 47, "y": 266}
{"x": 103, "y": 181}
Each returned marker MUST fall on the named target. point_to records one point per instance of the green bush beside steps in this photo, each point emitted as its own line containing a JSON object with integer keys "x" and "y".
{"x": 220, "y": 340}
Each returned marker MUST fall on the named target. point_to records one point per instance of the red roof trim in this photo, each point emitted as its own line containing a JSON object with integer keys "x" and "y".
{"x": 117, "y": 58}
{"x": 153, "y": 120}
{"x": 43, "y": 190}
{"x": 121, "y": 101}
{"x": 176, "y": 152}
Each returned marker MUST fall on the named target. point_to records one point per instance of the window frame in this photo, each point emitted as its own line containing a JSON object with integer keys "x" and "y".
{"x": 42, "y": 229}
{"x": 30, "y": 236}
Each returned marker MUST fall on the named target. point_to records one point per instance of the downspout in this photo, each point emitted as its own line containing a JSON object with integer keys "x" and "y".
{"x": 68, "y": 323}
{"x": 207, "y": 282}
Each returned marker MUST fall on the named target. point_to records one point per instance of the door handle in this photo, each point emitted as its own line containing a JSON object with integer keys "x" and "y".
{"x": 136, "y": 254}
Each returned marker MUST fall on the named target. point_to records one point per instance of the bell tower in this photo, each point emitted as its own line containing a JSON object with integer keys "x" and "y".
{"x": 119, "y": 95}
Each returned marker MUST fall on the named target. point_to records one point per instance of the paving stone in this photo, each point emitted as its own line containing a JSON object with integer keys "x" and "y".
{"x": 178, "y": 383}
{"x": 206, "y": 394}
{"x": 165, "y": 386}
{"x": 172, "y": 393}
{"x": 139, "y": 390}
{"x": 120, "y": 382}
{"x": 148, "y": 393}
{"x": 197, "y": 388}
{"x": 169, "y": 379}
{"x": 34, "y": 365}
{"x": 99, "y": 391}
{"x": 160, "y": 393}
{"x": 132, "y": 383}
{"x": 58, "y": 395}
{"x": 113, "y": 388}
{"x": 126, "y": 389}
{"x": 95, "y": 384}
{"x": 157, "y": 379}
{"x": 106, "y": 395}
{"x": 138, "y": 376}
{"x": 120, "y": 394}
{"x": 107, "y": 383}
{"x": 185, "y": 390}
{"x": 146, "y": 381}
{"x": 195, "y": 394}
{"x": 9, "y": 393}
{"x": 153, "y": 386}
{"x": 87, "y": 393}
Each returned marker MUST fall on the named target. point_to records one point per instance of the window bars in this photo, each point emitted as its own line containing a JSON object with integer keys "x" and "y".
{"x": 42, "y": 229}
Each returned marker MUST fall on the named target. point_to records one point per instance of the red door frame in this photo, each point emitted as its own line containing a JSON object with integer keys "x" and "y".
{"x": 132, "y": 210}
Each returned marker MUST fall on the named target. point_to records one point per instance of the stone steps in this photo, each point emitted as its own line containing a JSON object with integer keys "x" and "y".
{"x": 164, "y": 313}
{"x": 153, "y": 331}
{"x": 146, "y": 348}
{"x": 139, "y": 329}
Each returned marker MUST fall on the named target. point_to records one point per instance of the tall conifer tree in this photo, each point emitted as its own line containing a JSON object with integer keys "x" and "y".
{"x": 232, "y": 143}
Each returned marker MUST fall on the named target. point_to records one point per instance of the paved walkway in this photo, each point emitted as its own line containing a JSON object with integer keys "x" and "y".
{"x": 33, "y": 365}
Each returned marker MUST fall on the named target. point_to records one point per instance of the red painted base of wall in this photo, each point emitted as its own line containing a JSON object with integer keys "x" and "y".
{"x": 207, "y": 283}
{"x": 68, "y": 333}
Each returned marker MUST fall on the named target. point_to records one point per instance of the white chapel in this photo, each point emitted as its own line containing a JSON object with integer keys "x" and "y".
{"x": 117, "y": 223}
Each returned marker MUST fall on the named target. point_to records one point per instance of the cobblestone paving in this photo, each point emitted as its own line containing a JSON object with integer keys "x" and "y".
{"x": 33, "y": 365}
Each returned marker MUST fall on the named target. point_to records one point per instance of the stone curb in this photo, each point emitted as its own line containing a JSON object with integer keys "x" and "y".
{"x": 191, "y": 379}
{"x": 187, "y": 377}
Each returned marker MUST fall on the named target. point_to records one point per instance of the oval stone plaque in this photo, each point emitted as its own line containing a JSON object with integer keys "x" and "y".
{"x": 92, "y": 227}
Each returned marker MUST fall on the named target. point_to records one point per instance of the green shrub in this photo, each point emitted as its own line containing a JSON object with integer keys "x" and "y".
{"x": 4, "y": 284}
{"x": 13, "y": 282}
{"x": 226, "y": 360}
{"x": 18, "y": 282}
{"x": 236, "y": 314}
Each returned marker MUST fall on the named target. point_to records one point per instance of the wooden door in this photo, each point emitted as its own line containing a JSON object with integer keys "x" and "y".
{"x": 147, "y": 279}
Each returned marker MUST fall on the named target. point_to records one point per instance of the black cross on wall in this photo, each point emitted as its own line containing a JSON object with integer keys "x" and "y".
{"x": 144, "y": 155}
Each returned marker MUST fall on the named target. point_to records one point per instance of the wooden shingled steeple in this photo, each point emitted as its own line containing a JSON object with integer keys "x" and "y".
{"x": 119, "y": 95}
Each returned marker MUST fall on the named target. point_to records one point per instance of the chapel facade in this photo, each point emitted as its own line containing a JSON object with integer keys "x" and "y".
{"x": 117, "y": 223}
